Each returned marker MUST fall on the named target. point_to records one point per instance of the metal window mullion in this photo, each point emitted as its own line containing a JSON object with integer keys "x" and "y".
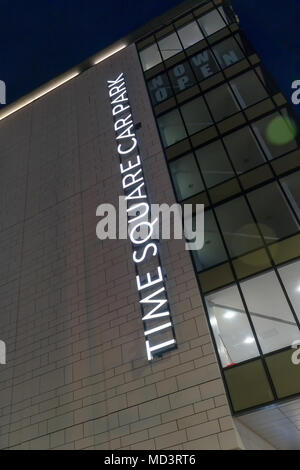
{"x": 273, "y": 265}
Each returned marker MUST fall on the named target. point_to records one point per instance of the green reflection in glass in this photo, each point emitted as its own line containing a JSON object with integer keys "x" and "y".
{"x": 281, "y": 130}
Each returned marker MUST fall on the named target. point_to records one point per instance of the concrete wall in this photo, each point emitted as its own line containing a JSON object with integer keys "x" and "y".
{"x": 77, "y": 375}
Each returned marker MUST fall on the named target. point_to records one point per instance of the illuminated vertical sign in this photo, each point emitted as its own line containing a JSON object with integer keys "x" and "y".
{"x": 158, "y": 327}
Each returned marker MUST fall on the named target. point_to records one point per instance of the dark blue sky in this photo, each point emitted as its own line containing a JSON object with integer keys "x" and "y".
{"x": 273, "y": 28}
{"x": 40, "y": 39}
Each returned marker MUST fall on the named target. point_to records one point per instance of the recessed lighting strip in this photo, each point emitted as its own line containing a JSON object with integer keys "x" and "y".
{"x": 35, "y": 95}
{"x": 106, "y": 56}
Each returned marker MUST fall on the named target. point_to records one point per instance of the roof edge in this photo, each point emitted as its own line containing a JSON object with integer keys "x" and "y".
{"x": 95, "y": 59}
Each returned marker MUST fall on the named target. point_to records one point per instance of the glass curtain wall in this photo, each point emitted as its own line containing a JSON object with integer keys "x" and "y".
{"x": 232, "y": 143}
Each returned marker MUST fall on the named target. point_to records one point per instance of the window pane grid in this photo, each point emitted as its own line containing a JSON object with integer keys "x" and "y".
{"x": 184, "y": 37}
{"x": 273, "y": 329}
{"x": 169, "y": 46}
{"x": 272, "y": 213}
{"x": 206, "y": 63}
{"x": 211, "y": 22}
{"x": 190, "y": 34}
{"x": 261, "y": 151}
{"x": 249, "y": 250}
{"x": 291, "y": 188}
{"x": 253, "y": 158}
{"x": 228, "y": 52}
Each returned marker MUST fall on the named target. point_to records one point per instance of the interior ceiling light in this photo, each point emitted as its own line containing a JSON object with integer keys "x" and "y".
{"x": 229, "y": 314}
{"x": 249, "y": 340}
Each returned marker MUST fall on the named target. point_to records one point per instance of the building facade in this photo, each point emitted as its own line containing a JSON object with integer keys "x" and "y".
{"x": 208, "y": 125}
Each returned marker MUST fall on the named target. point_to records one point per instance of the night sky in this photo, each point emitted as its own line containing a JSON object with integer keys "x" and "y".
{"x": 273, "y": 28}
{"x": 39, "y": 39}
{"x": 42, "y": 38}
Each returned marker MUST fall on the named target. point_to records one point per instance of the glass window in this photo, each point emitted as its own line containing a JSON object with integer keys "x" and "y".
{"x": 276, "y": 134}
{"x": 229, "y": 322}
{"x": 291, "y": 186}
{"x": 222, "y": 102}
{"x": 214, "y": 163}
{"x": 181, "y": 77}
{"x": 290, "y": 275}
{"x": 267, "y": 80}
{"x": 186, "y": 177}
{"x": 159, "y": 88}
{"x": 282, "y": 371}
{"x": 227, "y": 14}
{"x": 171, "y": 127}
{"x": 243, "y": 149}
{"x": 196, "y": 115}
{"x": 272, "y": 318}
{"x": 244, "y": 43}
{"x": 248, "y": 89}
{"x": 248, "y": 385}
{"x": 228, "y": 52}
{"x": 239, "y": 229}
{"x": 169, "y": 45}
{"x": 213, "y": 251}
{"x": 190, "y": 34}
{"x": 272, "y": 212}
{"x": 150, "y": 56}
{"x": 211, "y": 22}
{"x": 204, "y": 65}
